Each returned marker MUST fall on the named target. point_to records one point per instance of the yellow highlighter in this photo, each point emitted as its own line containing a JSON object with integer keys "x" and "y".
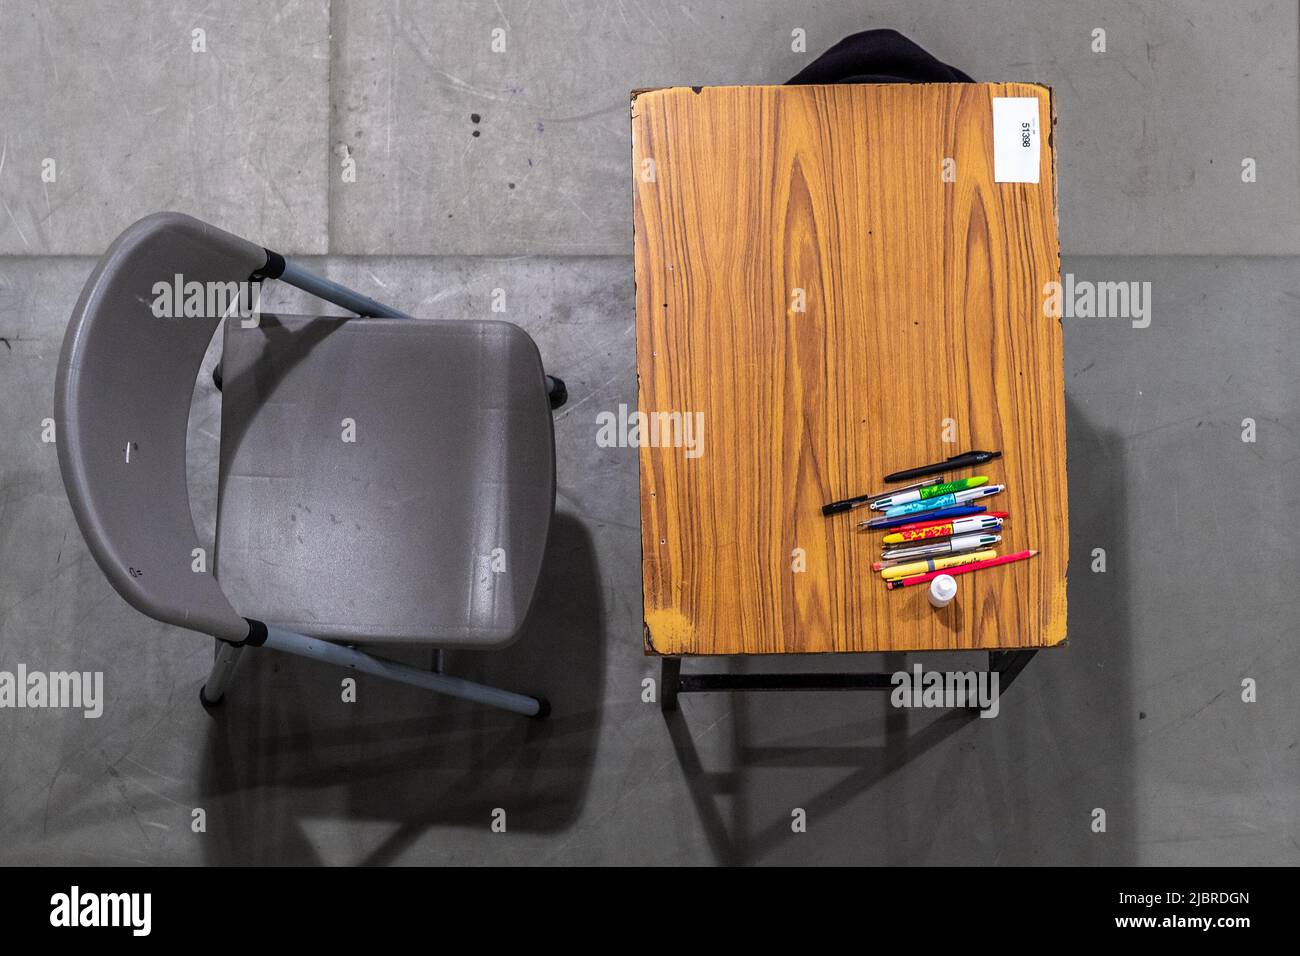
{"x": 936, "y": 564}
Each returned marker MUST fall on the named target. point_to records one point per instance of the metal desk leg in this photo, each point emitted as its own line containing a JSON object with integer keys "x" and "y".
{"x": 669, "y": 682}
{"x": 1007, "y": 665}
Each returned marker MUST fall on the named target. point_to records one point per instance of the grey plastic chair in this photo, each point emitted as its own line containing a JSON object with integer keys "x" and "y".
{"x": 382, "y": 479}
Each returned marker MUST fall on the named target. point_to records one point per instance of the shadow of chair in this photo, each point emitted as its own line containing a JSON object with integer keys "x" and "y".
{"x": 289, "y": 754}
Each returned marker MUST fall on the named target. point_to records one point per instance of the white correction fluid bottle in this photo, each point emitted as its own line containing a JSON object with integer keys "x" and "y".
{"x": 942, "y": 590}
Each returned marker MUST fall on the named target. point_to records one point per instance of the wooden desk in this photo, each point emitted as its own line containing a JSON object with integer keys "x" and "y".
{"x": 923, "y": 310}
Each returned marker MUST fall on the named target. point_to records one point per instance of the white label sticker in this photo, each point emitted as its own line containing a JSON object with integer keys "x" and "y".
{"x": 1015, "y": 139}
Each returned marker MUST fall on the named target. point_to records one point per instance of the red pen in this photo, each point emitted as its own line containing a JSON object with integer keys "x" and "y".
{"x": 943, "y": 527}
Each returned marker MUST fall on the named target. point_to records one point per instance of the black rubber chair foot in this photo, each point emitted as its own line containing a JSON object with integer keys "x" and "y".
{"x": 211, "y": 706}
{"x": 559, "y": 392}
{"x": 544, "y": 710}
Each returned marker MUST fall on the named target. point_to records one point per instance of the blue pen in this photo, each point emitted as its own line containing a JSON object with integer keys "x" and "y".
{"x": 877, "y": 524}
{"x": 943, "y": 501}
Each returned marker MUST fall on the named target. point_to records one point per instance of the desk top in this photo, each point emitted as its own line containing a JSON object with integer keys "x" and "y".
{"x": 838, "y": 301}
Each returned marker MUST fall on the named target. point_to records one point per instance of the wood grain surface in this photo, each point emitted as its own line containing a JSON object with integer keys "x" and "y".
{"x": 924, "y": 306}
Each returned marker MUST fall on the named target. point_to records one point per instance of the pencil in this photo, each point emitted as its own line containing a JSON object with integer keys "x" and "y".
{"x": 977, "y": 566}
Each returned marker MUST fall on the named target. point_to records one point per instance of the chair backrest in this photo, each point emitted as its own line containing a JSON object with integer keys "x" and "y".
{"x": 122, "y": 400}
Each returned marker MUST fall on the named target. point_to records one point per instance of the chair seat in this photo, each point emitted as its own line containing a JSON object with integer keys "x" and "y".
{"x": 430, "y": 524}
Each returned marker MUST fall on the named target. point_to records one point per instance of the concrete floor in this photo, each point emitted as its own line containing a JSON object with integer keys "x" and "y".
{"x": 1141, "y": 714}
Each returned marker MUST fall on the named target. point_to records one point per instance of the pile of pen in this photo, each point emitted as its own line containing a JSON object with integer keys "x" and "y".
{"x": 934, "y": 525}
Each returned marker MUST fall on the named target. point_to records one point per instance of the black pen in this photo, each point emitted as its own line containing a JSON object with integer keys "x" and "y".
{"x": 964, "y": 460}
{"x": 848, "y": 504}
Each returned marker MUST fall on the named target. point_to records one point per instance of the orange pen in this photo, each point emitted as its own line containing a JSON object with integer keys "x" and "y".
{"x": 945, "y": 527}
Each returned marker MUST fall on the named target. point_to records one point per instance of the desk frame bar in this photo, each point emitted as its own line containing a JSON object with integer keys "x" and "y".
{"x": 1007, "y": 664}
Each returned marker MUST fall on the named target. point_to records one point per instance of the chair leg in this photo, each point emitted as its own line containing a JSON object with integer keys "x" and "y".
{"x": 223, "y": 667}
{"x": 556, "y": 391}
{"x": 304, "y": 646}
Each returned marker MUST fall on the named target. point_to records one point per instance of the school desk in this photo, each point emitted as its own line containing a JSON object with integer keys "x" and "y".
{"x": 832, "y": 283}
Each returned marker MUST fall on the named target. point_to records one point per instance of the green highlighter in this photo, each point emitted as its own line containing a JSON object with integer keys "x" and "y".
{"x": 922, "y": 494}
